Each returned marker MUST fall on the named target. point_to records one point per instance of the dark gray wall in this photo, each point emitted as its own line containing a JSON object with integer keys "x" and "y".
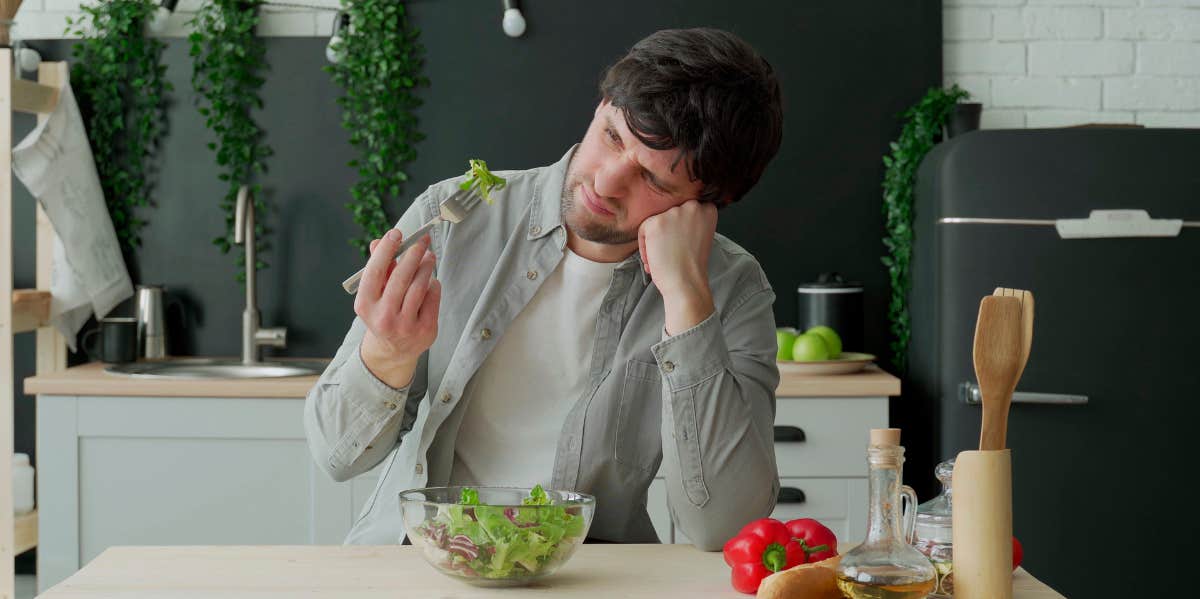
{"x": 847, "y": 70}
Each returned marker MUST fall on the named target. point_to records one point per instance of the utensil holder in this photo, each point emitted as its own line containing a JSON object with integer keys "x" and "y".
{"x": 982, "y": 523}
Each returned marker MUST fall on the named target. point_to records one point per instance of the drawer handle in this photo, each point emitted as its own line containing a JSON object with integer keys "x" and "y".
{"x": 789, "y": 434}
{"x": 790, "y": 495}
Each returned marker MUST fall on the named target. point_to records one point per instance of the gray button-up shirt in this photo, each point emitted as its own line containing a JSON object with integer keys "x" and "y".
{"x": 700, "y": 404}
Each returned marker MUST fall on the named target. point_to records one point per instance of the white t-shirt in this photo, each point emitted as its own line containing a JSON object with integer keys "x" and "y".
{"x": 519, "y": 399}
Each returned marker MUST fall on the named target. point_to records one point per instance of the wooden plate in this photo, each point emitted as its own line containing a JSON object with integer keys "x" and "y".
{"x": 847, "y": 363}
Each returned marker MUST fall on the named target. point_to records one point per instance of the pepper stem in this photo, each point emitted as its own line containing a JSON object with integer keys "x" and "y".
{"x": 774, "y": 557}
{"x": 808, "y": 551}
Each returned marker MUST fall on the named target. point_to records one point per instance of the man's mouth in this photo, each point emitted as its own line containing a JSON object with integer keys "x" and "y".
{"x": 591, "y": 202}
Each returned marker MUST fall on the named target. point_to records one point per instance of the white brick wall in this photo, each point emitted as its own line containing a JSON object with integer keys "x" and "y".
{"x": 1049, "y": 63}
{"x": 47, "y": 19}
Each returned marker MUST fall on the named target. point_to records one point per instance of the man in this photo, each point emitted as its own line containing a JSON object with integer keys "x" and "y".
{"x": 587, "y": 327}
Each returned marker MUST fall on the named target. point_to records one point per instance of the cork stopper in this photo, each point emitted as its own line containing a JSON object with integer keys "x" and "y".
{"x": 885, "y": 437}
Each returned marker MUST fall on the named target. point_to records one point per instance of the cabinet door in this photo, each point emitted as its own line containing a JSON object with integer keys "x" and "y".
{"x": 835, "y": 433}
{"x": 178, "y": 471}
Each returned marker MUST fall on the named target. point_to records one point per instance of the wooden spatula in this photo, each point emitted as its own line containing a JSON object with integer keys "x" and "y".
{"x": 1026, "y": 298}
{"x": 997, "y": 353}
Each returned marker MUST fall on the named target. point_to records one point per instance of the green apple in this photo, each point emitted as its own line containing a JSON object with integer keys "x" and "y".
{"x": 831, "y": 339}
{"x": 810, "y": 347}
{"x": 785, "y": 337}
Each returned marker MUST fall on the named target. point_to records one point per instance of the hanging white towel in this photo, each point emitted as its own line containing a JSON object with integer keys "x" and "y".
{"x": 55, "y": 163}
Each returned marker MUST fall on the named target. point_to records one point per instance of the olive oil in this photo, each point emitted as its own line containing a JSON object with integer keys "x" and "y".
{"x": 857, "y": 590}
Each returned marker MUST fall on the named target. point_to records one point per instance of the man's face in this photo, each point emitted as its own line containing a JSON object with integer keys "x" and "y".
{"x": 614, "y": 182}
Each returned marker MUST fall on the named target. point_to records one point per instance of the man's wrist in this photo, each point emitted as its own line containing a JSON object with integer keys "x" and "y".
{"x": 687, "y": 308}
{"x": 395, "y": 373}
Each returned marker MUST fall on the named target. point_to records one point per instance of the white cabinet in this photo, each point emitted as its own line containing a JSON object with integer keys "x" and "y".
{"x": 178, "y": 471}
{"x": 823, "y": 476}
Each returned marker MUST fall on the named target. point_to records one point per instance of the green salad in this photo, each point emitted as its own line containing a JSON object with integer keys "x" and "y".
{"x": 501, "y": 542}
{"x": 479, "y": 177}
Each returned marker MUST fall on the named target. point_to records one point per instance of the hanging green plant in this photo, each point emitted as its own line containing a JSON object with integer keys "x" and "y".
{"x": 118, "y": 76}
{"x": 379, "y": 65}
{"x": 922, "y": 125}
{"x": 229, "y": 60}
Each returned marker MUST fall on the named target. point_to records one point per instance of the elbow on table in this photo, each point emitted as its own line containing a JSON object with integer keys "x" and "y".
{"x": 722, "y": 518}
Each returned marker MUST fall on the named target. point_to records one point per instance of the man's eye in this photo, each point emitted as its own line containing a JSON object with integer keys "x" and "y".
{"x": 655, "y": 186}
{"x": 612, "y": 136}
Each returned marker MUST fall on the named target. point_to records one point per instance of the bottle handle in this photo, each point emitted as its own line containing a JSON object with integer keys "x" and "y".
{"x": 910, "y": 515}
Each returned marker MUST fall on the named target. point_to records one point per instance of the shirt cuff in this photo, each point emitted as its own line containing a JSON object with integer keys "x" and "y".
{"x": 374, "y": 401}
{"x": 693, "y": 356}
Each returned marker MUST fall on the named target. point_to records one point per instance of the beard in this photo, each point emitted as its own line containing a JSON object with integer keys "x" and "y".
{"x": 579, "y": 219}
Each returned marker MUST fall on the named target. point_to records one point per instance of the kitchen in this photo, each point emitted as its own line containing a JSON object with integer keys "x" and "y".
{"x": 837, "y": 65}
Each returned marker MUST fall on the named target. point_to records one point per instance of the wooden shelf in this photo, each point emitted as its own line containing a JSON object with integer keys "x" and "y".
{"x": 25, "y": 532}
{"x": 31, "y": 309}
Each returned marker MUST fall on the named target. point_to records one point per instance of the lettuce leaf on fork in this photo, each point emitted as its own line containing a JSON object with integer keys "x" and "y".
{"x": 480, "y": 177}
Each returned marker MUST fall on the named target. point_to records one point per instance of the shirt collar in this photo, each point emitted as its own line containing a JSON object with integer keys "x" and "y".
{"x": 546, "y": 213}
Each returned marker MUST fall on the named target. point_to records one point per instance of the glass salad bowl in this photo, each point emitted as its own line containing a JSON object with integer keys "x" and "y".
{"x": 496, "y": 536}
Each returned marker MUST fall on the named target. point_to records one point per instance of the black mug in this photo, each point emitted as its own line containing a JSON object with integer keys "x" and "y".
{"x": 117, "y": 340}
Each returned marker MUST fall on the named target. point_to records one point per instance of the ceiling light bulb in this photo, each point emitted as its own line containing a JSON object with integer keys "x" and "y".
{"x": 334, "y": 50}
{"x": 158, "y": 19}
{"x": 514, "y": 21}
{"x": 333, "y": 54}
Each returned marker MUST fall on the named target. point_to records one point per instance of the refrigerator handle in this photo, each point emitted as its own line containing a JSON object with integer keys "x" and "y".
{"x": 968, "y": 393}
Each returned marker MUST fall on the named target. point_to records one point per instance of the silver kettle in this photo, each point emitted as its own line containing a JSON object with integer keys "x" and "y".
{"x": 151, "y": 326}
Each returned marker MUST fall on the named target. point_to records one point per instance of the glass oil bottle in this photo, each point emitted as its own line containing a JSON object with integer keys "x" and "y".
{"x": 885, "y": 565}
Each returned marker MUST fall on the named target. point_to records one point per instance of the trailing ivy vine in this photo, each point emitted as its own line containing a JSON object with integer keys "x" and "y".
{"x": 379, "y": 68}
{"x": 229, "y": 59}
{"x": 119, "y": 77}
{"x": 922, "y": 125}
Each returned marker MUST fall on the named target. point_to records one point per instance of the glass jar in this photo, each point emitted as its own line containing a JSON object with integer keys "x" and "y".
{"x": 886, "y": 564}
{"x": 934, "y": 533}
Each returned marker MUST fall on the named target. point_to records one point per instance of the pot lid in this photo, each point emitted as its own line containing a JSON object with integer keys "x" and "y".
{"x": 830, "y": 282}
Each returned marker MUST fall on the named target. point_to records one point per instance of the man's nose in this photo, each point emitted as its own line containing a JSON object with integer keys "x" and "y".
{"x": 613, "y": 178}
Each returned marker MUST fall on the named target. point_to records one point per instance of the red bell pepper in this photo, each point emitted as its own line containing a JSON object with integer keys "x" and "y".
{"x": 762, "y": 547}
{"x": 815, "y": 539}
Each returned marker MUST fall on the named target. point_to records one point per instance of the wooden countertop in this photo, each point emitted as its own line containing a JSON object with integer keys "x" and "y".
{"x": 90, "y": 379}
{"x": 367, "y": 572}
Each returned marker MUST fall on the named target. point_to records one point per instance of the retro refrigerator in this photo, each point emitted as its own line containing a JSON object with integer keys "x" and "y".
{"x": 1103, "y": 226}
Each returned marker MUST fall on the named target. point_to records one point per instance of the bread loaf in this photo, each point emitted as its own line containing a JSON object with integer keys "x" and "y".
{"x": 806, "y": 581}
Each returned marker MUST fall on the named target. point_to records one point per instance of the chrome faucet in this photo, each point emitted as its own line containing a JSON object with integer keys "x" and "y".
{"x": 253, "y": 336}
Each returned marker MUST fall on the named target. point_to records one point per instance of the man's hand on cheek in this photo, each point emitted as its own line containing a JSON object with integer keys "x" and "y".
{"x": 675, "y": 246}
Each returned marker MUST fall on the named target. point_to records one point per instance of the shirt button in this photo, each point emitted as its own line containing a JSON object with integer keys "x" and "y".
{"x": 390, "y": 405}
{"x": 420, "y": 469}
{"x": 485, "y": 333}
{"x": 531, "y": 275}
{"x": 668, "y": 366}
{"x": 534, "y": 230}
{"x": 446, "y": 397}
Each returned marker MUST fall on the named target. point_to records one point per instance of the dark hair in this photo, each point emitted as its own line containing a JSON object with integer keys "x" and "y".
{"x": 707, "y": 93}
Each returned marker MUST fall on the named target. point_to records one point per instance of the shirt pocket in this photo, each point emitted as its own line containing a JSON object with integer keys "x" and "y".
{"x": 639, "y": 417}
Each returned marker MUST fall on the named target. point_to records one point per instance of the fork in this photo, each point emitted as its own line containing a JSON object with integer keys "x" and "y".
{"x": 452, "y": 210}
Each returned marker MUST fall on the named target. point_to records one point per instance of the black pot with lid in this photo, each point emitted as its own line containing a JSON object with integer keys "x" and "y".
{"x": 834, "y": 302}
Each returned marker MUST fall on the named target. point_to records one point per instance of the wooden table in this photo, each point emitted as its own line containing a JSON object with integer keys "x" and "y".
{"x": 361, "y": 572}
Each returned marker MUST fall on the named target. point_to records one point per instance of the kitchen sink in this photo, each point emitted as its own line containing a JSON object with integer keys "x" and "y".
{"x": 217, "y": 368}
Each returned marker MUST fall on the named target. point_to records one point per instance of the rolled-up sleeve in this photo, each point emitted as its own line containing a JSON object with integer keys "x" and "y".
{"x": 351, "y": 418}
{"x": 719, "y": 380}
